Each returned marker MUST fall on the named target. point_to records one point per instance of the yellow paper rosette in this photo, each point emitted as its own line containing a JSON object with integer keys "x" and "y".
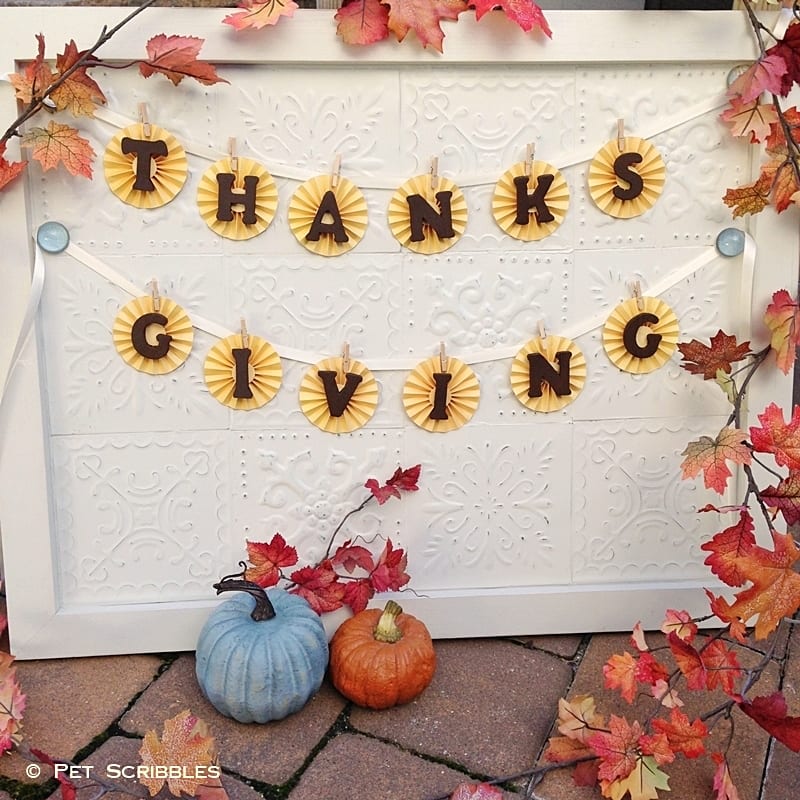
{"x": 265, "y": 196}
{"x": 548, "y": 347}
{"x": 400, "y": 218}
{"x": 641, "y": 335}
{"x": 462, "y": 394}
{"x": 305, "y": 205}
{"x": 360, "y": 407}
{"x": 167, "y": 166}
{"x": 264, "y": 372}
{"x": 605, "y": 185}
{"x": 504, "y": 201}
{"x": 148, "y": 322}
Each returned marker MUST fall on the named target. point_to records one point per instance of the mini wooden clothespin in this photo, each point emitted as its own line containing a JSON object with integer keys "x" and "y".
{"x": 232, "y": 154}
{"x": 621, "y": 134}
{"x": 542, "y": 330}
{"x": 154, "y": 294}
{"x": 244, "y": 334}
{"x": 636, "y": 290}
{"x": 434, "y": 172}
{"x": 530, "y": 150}
{"x": 442, "y": 357}
{"x": 336, "y": 170}
{"x": 346, "y": 357}
{"x": 143, "y": 118}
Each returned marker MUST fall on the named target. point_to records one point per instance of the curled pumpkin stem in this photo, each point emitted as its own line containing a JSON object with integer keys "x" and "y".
{"x": 387, "y": 630}
{"x": 263, "y": 608}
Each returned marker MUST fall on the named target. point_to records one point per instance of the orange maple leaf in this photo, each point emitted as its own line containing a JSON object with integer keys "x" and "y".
{"x": 780, "y": 438}
{"x": 710, "y": 456}
{"x": 620, "y": 673}
{"x": 776, "y": 141}
{"x": 683, "y": 736}
{"x": 176, "y": 58}
{"x": 423, "y": 17}
{"x": 60, "y": 144}
{"x": 79, "y": 94}
{"x": 728, "y": 548}
{"x": 260, "y": 13}
{"x": 782, "y": 317}
{"x": 750, "y": 198}
{"x": 618, "y": 748}
{"x": 34, "y": 81}
{"x": 185, "y": 742}
{"x": 363, "y": 22}
{"x": 9, "y": 169}
{"x": 784, "y": 182}
{"x": 752, "y": 119}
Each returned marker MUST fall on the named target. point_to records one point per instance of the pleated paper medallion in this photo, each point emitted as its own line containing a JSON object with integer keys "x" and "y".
{"x": 153, "y": 336}
{"x": 641, "y": 335}
{"x": 243, "y": 372}
{"x": 145, "y": 166}
{"x": 338, "y": 398}
{"x": 626, "y": 181}
{"x": 441, "y": 397}
{"x": 555, "y": 357}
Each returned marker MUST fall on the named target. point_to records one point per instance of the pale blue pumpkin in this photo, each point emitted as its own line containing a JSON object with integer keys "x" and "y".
{"x": 254, "y": 667}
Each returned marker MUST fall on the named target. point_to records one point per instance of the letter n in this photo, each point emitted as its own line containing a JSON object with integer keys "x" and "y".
{"x": 423, "y": 213}
{"x": 541, "y": 371}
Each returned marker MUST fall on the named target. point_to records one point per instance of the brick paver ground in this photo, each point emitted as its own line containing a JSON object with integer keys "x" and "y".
{"x": 487, "y": 713}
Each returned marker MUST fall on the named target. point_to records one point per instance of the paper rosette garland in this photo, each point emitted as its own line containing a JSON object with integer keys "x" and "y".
{"x": 641, "y": 335}
{"x": 304, "y": 207}
{"x": 264, "y": 372}
{"x": 213, "y": 198}
{"x": 462, "y": 394}
{"x": 608, "y": 189}
{"x": 549, "y": 398}
{"x": 159, "y": 326}
{"x": 556, "y": 200}
{"x": 400, "y": 219}
{"x": 140, "y": 186}
{"x": 358, "y": 410}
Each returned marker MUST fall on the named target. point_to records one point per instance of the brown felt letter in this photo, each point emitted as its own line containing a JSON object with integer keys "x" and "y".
{"x": 622, "y": 169}
{"x": 526, "y": 202}
{"x": 139, "y": 336}
{"x": 439, "y": 410}
{"x": 241, "y": 385}
{"x": 145, "y": 152}
{"x": 629, "y": 338}
{"x": 541, "y": 371}
{"x": 318, "y": 227}
{"x": 423, "y": 213}
{"x": 338, "y": 399}
{"x": 227, "y": 198}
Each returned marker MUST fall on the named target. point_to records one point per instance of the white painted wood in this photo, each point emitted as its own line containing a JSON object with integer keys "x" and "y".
{"x": 594, "y": 531}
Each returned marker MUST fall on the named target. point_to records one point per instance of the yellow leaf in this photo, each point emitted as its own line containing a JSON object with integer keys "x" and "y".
{"x": 642, "y": 783}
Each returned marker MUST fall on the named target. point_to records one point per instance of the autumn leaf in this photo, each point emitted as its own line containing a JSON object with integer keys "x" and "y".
{"x": 721, "y": 665}
{"x": 12, "y": 703}
{"x": 60, "y": 144}
{"x": 765, "y": 75}
{"x": 729, "y": 548}
{"x": 176, "y": 58}
{"x": 725, "y": 382}
{"x": 657, "y": 745}
{"x": 69, "y": 790}
{"x": 723, "y": 784}
{"x": 668, "y": 697}
{"x": 357, "y": 594}
{"x": 578, "y": 718}
{"x": 389, "y": 573}
{"x": 679, "y": 622}
{"x": 788, "y": 49}
{"x": 643, "y": 782}
{"x": 260, "y": 14}
{"x": 649, "y": 670}
{"x": 209, "y": 789}
{"x": 185, "y": 742}
{"x": 78, "y": 94}
{"x": 782, "y": 317}
{"x": 525, "y": 13}
{"x": 785, "y": 185}
{"x": 775, "y": 143}
{"x": 688, "y": 661}
{"x": 785, "y": 497}
{"x": 637, "y": 638}
{"x": 563, "y": 748}
{"x": 750, "y": 198}
{"x": 770, "y": 713}
{"x": 267, "y": 559}
{"x": 423, "y": 17}
{"x": 351, "y": 556}
{"x": 402, "y": 480}
{"x": 683, "y": 736}
{"x": 476, "y": 791}
{"x": 617, "y": 748}
{"x": 711, "y": 457}
{"x": 780, "y": 438}
{"x": 705, "y": 360}
{"x": 319, "y": 586}
{"x": 362, "y": 21}
{"x": 620, "y": 673}
{"x": 721, "y": 608}
{"x": 752, "y": 119}
{"x": 35, "y": 80}
{"x": 9, "y": 169}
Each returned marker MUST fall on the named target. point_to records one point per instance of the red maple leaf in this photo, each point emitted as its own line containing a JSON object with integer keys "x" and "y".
{"x": 683, "y": 736}
{"x": 389, "y": 573}
{"x": 788, "y": 49}
{"x": 357, "y": 594}
{"x": 721, "y": 666}
{"x": 476, "y": 791}
{"x": 700, "y": 359}
{"x": 770, "y": 713}
{"x": 176, "y": 58}
{"x": 403, "y": 480}
{"x": 618, "y": 749}
{"x": 267, "y": 559}
{"x": 9, "y": 169}
{"x": 319, "y": 586}
{"x": 362, "y": 21}
{"x": 782, "y": 317}
{"x": 765, "y": 75}
{"x": 657, "y": 746}
{"x": 423, "y": 17}
{"x": 620, "y": 673}
{"x": 260, "y": 13}
{"x": 350, "y": 556}
{"x": 68, "y": 789}
{"x": 60, "y": 144}
{"x": 785, "y": 497}
{"x": 650, "y": 670}
{"x": 729, "y": 548}
{"x": 688, "y": 661}
{"x": 780, "y": 438}
{"x": 710, "y": 456}
{"x": 721, "y": 608}
{"x": 525, "y": 13}
{"x": 752, "y": 119}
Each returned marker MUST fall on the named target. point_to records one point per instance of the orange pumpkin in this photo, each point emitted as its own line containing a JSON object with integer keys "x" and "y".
{"x": 381, "y": 659}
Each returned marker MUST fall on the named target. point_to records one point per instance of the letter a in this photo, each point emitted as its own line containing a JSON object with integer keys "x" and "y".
{"x": 318, "y": 227}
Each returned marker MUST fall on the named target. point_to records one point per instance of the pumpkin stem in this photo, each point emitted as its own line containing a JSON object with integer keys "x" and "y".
{"x": 386, "y": 630}
{"x": 263, "y": 608}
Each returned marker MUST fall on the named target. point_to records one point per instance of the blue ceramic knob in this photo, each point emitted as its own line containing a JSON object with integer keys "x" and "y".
{"x": 730, "y": 242}
{"x": 52, "y": 237}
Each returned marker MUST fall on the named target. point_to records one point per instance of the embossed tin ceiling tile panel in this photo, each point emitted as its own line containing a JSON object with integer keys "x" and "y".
{"x": 634, "y": 519}
{"x": 493, "y": 508}
{"x": 142, "y": 518}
